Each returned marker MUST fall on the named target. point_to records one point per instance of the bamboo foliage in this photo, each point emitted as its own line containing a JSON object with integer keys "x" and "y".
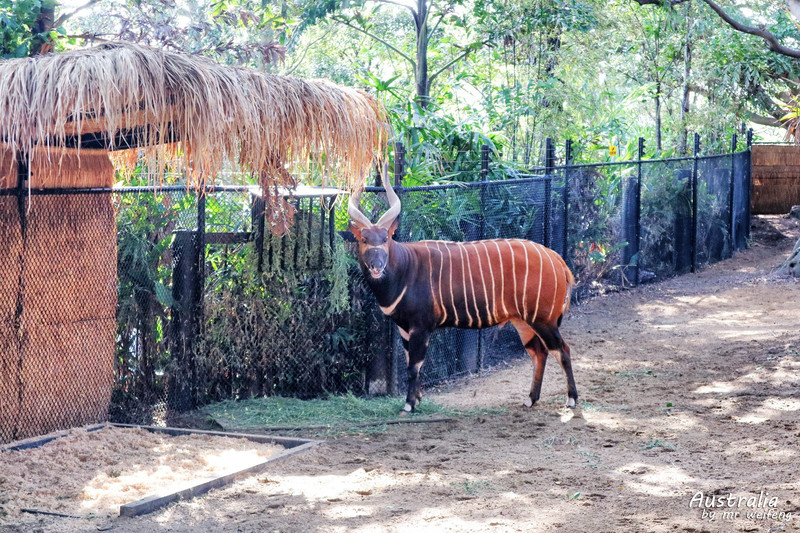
{"x": 221, "y": 116}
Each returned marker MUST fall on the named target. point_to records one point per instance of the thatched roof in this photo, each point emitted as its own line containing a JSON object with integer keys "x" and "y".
{"x": 122, "y": 96}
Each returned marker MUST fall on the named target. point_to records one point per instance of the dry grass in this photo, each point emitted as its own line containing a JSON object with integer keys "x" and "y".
{"x": 255, "y": 122}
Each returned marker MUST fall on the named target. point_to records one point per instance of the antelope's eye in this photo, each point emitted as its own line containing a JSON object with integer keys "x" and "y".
{"x": 385, "y": 240}
{"x": 364, "y": 240}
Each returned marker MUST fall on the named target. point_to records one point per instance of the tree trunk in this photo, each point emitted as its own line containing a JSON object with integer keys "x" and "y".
{"x": 687, "y": 72}
{"x": 658, "y": 116}
{"x": 421, "y": 72}
{"x": 43, "y": 25}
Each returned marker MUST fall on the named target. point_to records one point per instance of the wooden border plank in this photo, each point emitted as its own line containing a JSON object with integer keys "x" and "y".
{"x": 148, "y": 504}
{"x": 151, "y": 503}
{"x": 35, "y": 442}
{"x": 286, "y": 442}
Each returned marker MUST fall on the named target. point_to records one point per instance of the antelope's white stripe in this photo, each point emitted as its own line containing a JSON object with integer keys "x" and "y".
{"x": 555, "y": 287}
{"x": 539, "y": 289}
{"x": 441, "y": 296}
{"x": 452, "y": 296}
{"x": 502, "y": 279}
{"x": 513, "y": 274}
{"x": 390, "y": 309}
{"x": 403, "y": 333}
{"x": 430, "y": 274}
{"x": 489, "y": 314}
{"x": 464, "y": 283}
{"x": 525, "y": 285}
{"x": 472, "y": 286}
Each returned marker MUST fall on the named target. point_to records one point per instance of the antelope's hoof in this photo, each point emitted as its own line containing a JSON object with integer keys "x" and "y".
{"x": 571, "y": 403}
{"x": 527, "y": 403}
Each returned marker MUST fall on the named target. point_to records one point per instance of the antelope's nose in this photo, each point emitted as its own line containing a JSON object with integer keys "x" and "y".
{"x": 375, "y": 261}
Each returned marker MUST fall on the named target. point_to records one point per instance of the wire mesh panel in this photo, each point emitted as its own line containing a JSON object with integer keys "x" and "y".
{"x": 601, "y": 231}
{"x": 666, "y": 218}
{"x": 714, "y": 190}
{"x": 58, "y": 317}
{"x": 147, "y": 221}
{"x": 741, "y": 200}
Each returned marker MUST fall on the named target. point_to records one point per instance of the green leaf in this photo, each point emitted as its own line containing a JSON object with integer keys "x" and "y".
{"x": 164, "y": 295}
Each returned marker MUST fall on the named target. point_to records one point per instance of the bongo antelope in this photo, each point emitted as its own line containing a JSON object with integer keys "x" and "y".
{"x": 426, "y": 285}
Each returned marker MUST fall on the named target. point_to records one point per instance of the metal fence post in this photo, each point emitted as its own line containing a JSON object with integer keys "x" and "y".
{"x": 567, "y": 162}
{"x": 549, "y": 165}
{"x": 695, "y": 164}
{"x": 257, "y": 218}
{"x": 399, "y": 171}
{"x": 181, "y": 378}
{"x": 399, "y": 163}
{"x": 201, "y": 251}
{"x": 749, "y": 181}
{"x": 484, "y": 177}
{"x": 731, "y": 219}
{"x": 638, "y": 231}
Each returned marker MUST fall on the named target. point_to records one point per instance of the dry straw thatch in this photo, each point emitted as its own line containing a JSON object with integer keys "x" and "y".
{"x": 255, "y": 122}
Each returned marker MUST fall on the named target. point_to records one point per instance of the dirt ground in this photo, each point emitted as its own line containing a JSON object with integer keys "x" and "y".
{"x": 689, "y": 389}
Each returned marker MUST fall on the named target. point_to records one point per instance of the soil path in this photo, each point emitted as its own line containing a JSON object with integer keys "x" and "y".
{"x": 689, "y": 388}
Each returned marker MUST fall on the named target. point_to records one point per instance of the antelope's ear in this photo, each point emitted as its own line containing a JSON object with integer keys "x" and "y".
{"x": 355, "y": 229}
{"x": 394, "y": 226}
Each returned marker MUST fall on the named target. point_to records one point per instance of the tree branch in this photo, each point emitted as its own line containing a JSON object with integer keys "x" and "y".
{"x": 64, "y": 16}
{"x": 452, "y": 62}
{"x": 396, "y": 4}
{"x": 297, "y": 63}
{"x": 436, "y": 26}
{"x": 375, "y": 37}
{"x": 764, "y": 121}
{"x": 659, "y": 2}
{"x": 772, "y": 41}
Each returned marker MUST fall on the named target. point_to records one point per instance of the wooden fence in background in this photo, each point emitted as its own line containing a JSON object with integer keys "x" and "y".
{"x": 776, "y": 178}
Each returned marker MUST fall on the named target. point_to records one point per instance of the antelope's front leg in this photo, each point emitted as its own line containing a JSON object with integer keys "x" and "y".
{"x": 415, "y": 344}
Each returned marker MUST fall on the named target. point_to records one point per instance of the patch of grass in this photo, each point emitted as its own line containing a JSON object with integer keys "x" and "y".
{"x": 642, "y": 372}
{"x": 658, "y": 443}
{"x": 472, "y": 488}
{"x": 343, "y": 413}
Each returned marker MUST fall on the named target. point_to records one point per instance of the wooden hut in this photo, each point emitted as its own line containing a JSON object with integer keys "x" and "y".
{"x": 61, "y": 116}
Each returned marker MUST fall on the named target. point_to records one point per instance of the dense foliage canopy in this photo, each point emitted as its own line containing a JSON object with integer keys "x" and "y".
{"x": 456, "y": 74}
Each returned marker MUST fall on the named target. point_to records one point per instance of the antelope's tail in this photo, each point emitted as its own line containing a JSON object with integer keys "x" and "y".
{"x": 570, "y": 285}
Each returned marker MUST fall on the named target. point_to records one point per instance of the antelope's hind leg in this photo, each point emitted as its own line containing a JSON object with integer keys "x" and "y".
{"x": 564, "y": 358}
{"x": 560, "y": 350}
{"x": 538, "y": 342}
{"x": 537, "y": 351}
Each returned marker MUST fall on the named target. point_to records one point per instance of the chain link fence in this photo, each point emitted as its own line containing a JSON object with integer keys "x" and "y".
{"x": 57, "y": 311}
{"x": 211, "y": 304}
